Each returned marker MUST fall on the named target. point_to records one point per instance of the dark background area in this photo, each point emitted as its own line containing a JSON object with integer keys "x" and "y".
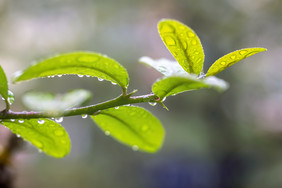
{"x": 213, "y": 140}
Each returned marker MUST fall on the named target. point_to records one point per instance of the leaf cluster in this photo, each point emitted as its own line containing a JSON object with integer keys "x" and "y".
{"x": 131, "y": 125}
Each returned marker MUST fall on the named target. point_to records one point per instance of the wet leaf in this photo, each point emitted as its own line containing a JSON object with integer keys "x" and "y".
{"x": 78, "y": 63}
{"x": 133, "y": 126}
{"x": 184, "y": 45}
{"x": 176, "y": 84}
{"x": 3, "y": 84}
{"x": 232, "y": 58}
{"x": 46, "y": 135}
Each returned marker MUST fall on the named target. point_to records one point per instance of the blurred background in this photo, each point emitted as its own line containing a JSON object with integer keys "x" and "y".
{"x": 213, "y": 140}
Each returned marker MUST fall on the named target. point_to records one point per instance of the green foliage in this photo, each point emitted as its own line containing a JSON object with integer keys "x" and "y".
{"x": 232, "y": 58}
{"x": 184, "y": 45}
{"x": 46, "y": 135}
{"x": 3, "y": 84}
{"x": 133, "y": 126}
{"x": 78, "y": 63}
{"x": 51, "y": 103}
{"x": 130, "y": 125}
{"x": 173, "y": 85}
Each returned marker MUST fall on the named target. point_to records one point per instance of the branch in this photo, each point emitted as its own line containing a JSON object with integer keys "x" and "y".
{"x": 89, "y": 110}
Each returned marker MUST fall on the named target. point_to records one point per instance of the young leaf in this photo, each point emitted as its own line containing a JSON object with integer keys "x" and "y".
{"x": 133, "y": 126}
{"x": 49, "y": 102}
{"x": 3, "y": 84}
{"x": 232, "y": 58}
{"x": 78, "y": 63}
{"x": 46, "y": 135}
{"x": 164, "y": 66}
{"x": 175, "y": 84}
{"x": 184, "y": 45}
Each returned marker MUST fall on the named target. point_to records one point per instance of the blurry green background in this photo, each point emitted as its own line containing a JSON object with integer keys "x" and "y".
{"x": 212, "y": 140}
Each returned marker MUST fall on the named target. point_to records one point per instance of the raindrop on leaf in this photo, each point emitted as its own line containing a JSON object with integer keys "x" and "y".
{"x": 59, "y": 119}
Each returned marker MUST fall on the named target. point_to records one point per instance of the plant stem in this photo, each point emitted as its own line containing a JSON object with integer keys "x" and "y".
{"x": 90, "y": 110}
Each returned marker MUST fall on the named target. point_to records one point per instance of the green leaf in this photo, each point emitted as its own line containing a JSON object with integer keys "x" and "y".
{"x": 78, "y": 63}
{"x": 49, "y": 102}
{"x": 3, "y": 84}
{"x": 164, "y": 66}
{"x": 133, "y": 126}
{"x": 46, "y": 135}
{"x": 232, "y": 58}
{"x": 184, "y": 45}
{"x": 175, "y": 84}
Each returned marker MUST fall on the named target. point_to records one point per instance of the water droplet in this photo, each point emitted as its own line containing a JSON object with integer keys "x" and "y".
{"x": 152, "y": 103}
{"x": 59, "y": 133}
{"x": 84, "y": 116}
{"x": 52, "y": 118}
{"x": 184, "y": 44}
{"x": 127, "y": 105}
{"x": 100, "y": 79}
{"x": 37, "y": 143}
{"x": 48, "y": 76}
{"x": 144, "y": 128}
{"x": 223, "y": 63}
{"x": 3, "y": 99}
{"x": 114, "y": 83}
{"x": 59, "y": 75}
{"x": 194, "y": 42}
{"x": 88, "y": 76}
{"x": 117, "y": 107}
{"x": 196, "y": 52}
{"x": 52, "y": 76}
{"x": 59, "y": 119}
{"x": 39, "y": 150}
{"x": 163, "y": 99}
{"x": 20, "y": 120}
{"x": 107, "y": 133}
{"x": 169, "y": 41}
{"x": 167, "y": 28}
{"x": 41, "y": 121}
{"x": 135, "y": 148}
{"x": 233, "y": 57}
{"x": 12, "y": 120}
{"x": 173, "y": 94}
{"x": 18, "y": 135}
{"x": 63, "y": 141}
{"x": 243, "y": 52}
{"x": 190, "y": 34}
{"x": 80, "y": 76}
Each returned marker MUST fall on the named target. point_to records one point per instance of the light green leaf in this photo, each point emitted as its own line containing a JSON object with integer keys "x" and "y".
{"x": 49, "y": 102}
{"x": 164, "y": 66}
{"x": 3, "y": 84}
{"x": 46, "y": 135}
{"x": 78, "y": 63}
{"x": 175, "y": 84}
{"x": 133, "y": 126}
{"x": 232, "y": 58}
{"x": 184, "y": 45}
